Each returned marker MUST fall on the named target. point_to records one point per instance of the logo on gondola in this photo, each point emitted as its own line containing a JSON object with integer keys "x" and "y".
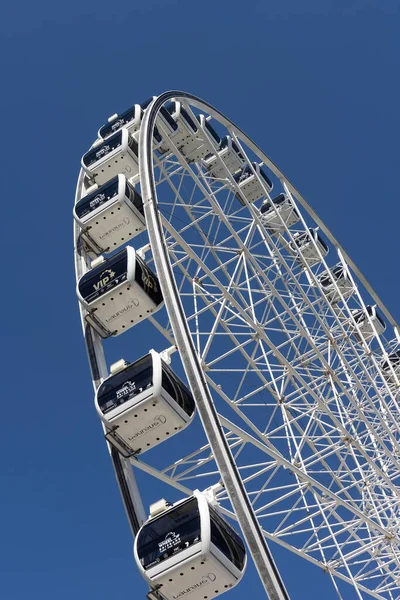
{"x": 171, "y": 540}
{"x": 127, "y": 388}
{"x": 125, "y": 221}
{"x": 117, "y": 125}
{"x": 149, "y": 281}
{"x": 157, "y": 421}
{"x": 105, "y": 277}
{"x": 97, "y": 200}
{"x": 205, "y": 580}
{"x": 104, "y": 150}
{"x": 134, "y": 304}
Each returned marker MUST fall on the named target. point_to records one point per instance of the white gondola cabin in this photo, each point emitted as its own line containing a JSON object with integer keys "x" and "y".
{"x": 369, "y": 321}
{"x": 117, "y": 154}
{"x": 310, "y": 245}
{"x": 212, "y": 133}
{"x": 119, "y": 292}
{"x": 191, "y": 139}
{"x": 203, "y": 143}
{"x": 143, "y": 404}
{"x": 284, "y": 213}
{"x": 391, "y": 368}
{"x": 230, "y": 155}
{"x": 337, "y": 277}
{"x": 252, "y": 186}
{"x": 187, "y": 136}
{"x": 189, "y": 548}
{"x": 131, "y": 119}
{"x": 111, "y": 214}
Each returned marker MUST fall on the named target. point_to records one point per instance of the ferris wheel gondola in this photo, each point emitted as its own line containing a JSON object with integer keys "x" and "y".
{"x": 119, "y": 292}
{"x": 369, "y": 321}
{"x": 107, "y": 158}
{"x": 143, "y": 404}
{"x": 309, "y": 246}
{"x": 186, "y": 137}
{"x": 189, "y": 548}
{"x": 252, "y": 181}
{"x": 111, "y": 214}
{"x": 391, "y": 369}
{"x": 336, "y": 282}
{"x": 205, "y": 124}
{"x": 227, "y": 158}
{"x": 278, "y": 213}
{"x": 131, "y": 120}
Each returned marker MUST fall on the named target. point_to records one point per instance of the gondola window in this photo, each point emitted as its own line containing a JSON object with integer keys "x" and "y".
{"x": 172, "y": 532}
{"x": 125, "y": 385}
{"x": 177, "y": 390}
{"x": 227, "y": 540}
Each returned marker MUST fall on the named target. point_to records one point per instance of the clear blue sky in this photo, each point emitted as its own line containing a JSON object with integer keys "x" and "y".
{"x": 314, "y": 82}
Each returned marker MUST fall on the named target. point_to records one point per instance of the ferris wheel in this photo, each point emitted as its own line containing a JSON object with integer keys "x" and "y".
{"x": 269, "y": 355}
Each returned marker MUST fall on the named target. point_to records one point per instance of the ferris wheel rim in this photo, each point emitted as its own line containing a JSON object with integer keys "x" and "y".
{"x": 262, "y": 556}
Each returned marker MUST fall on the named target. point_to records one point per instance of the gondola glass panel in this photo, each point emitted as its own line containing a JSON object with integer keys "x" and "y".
{"x": 174, "y": 531}
{"x": 205, "y": 124}
{"x": 226, "y": 539}
{"x": 391, "y": 370}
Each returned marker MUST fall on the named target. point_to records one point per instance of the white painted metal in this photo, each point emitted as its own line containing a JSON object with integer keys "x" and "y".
{"x": 237, "y": 494}
{"x": 307, "y": 402}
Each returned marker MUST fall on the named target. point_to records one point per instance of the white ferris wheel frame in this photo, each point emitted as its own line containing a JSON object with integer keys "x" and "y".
{"x": 212, "y": 422}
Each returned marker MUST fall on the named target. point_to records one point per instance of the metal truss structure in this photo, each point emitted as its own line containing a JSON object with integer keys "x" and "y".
{"x": 307, "y": 402}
